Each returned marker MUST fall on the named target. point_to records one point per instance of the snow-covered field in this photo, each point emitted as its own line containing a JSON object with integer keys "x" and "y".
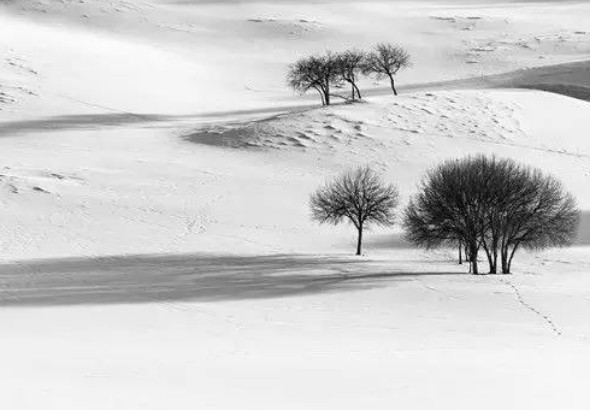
{"x": 155, "y": 241}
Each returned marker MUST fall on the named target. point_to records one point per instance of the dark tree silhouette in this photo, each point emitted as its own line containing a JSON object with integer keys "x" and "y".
{"x": 386, "y": 60}
{"x": 314, "y": 72}
{"x": 360, "y": 196}
{"x": 494, "y": 204}
{"x": 447, "y": 210}
{"x": 349, "y": 66}
{"x": 533, "y": 212}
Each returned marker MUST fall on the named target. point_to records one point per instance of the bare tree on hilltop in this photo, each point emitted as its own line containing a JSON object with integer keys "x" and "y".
{"x": 349, "y": 66}
{"x": 314, "y": 72}
{"x": 360, "y": 196}
{"x": 386, "y": 60}
{"x": 322, "y": 72}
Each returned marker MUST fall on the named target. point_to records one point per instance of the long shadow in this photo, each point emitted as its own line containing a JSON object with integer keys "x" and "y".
{"x": 68, "y": 122}
{"x": 90, "y": 121}
{"x": 144, "y": 279}
{"x": 569, "y": 79}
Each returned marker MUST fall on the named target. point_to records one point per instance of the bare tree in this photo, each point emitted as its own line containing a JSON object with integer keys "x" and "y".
{"x": 314, "y": 72}
{"x": 523, "y": 208}
{"x": 534, "y": 213}
{"x": 494, "y": 204}
{"x": 447, "y": 211}
{"x": 349, "y": 65}
{"x": 386, "y": 60}
{"x": 360, "y": 196}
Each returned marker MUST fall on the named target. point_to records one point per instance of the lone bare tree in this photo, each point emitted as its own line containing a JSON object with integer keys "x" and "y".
{"x": 360, "y": 196}
{"x": 349, "y": 66}
{"x": 494, "y": 204}
{"x": 314, "y": 72}
{"x": 386, "y": 60}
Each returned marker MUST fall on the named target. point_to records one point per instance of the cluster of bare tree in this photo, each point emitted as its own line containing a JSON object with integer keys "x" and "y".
{"x": 476, "y": 203}
{"x": 492, "y": 204}
{"x": 325, "y": 72}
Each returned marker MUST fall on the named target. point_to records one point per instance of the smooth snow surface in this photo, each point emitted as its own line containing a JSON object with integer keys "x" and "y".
{"x": 155, "y": 238}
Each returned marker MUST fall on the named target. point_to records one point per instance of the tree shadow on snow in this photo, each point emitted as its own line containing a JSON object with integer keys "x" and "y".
{"x": 121, "y": 119}
{"x": 74, "y": 122}
{"x": 583, "y": 238}
{"x": 208, "y": 278}
{"x": 388, "y": 241}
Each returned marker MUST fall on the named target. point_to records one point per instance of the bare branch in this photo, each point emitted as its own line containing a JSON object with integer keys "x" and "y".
{"x": 385, "y": 61}
{"x": 492, "y": 203}
{"x": 359, "y": 196}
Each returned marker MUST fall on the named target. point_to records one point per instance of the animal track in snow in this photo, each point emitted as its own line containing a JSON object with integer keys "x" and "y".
{"x": 522, "y": 301}
{"x": 21, "y": 181}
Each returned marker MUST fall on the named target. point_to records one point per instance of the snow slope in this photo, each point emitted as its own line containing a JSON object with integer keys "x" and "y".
{"x": 156, "y": 244}
{"x": 117, "y": 185}
{"x": 224, "y": 56}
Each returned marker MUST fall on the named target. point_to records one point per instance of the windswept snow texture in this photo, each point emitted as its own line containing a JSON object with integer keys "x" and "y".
{"x": 155, "y": 242}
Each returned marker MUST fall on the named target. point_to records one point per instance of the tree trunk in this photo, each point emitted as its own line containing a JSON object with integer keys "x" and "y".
{"x": 392, "y": 81}
{"x": 353, "y": 94}
{"x": 358, "y": 92}
{"x": 473, "y": 259}
{"x": 495, "y": 256}
{"x": 359, "y": 242}
{"x": 490, "y": 257}
{"x": 474, "y": 268}
{"x": 326, "y": 88}
{"x": 511, "y": 258}
{"x": 504, "y": 257}
{"x": 321, "y": 95}
{"x": 460, "y": 253}
{"x": 490, "y": 262}
{"x": 507, "y": 256}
